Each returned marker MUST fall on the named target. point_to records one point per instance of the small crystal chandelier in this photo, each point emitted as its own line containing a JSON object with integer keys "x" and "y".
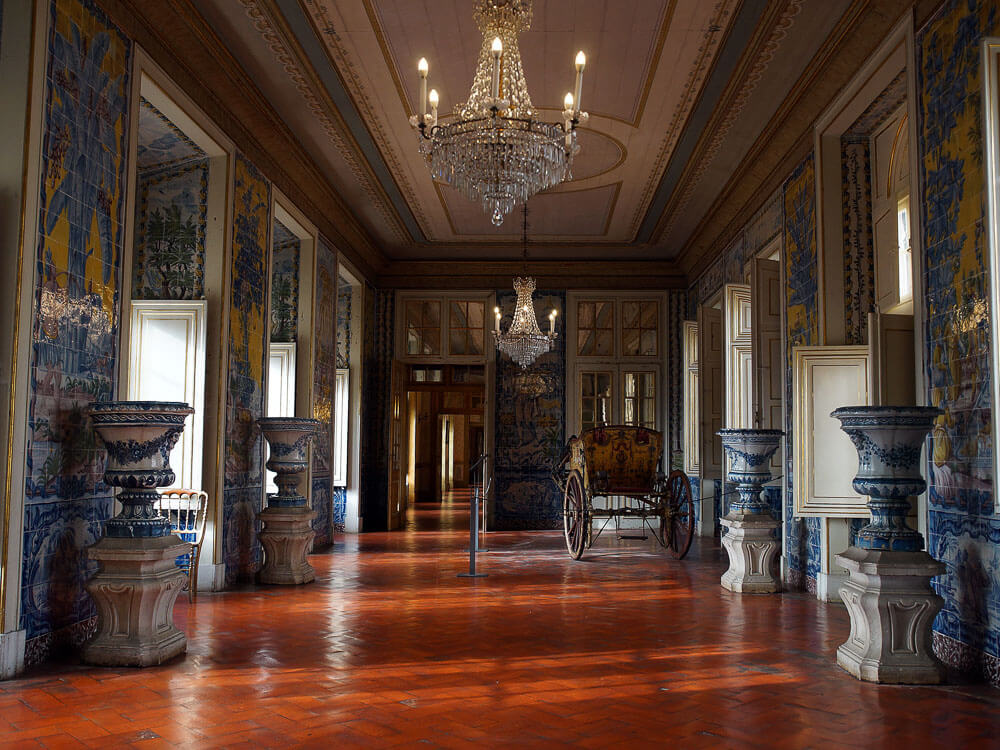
{"x": 524, "y": 341}
{"x": 494, "y": 151}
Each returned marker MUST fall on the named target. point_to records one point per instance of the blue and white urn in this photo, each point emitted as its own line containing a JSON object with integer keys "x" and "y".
{"x": 138, "y": 436}
{"x": 750, "y": 454}
{"x": 888, "y": 440}
{"x": 289, "y": 439}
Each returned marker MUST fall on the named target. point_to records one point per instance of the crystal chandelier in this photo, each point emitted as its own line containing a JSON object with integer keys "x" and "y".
{"x": 494, "y": 151}
{"x": 524, "y": 341}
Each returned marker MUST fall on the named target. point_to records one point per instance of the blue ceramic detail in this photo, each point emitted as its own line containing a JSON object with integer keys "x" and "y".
{"x": 139, "y": 436}
{"x": 289, "y": 439}
{"x": 888, "y": 440}
{"x": 750, "y": 454}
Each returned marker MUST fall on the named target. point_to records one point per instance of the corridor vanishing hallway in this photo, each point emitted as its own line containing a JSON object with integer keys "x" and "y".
{"x": 627, "y": 648}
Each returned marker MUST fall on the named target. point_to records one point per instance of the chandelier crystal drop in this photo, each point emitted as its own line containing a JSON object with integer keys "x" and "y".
{"x": 524, "y": 341}
{"x": 494, "y": 151}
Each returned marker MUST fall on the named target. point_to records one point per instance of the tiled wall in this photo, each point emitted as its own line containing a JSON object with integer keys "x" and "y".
{"x": 74, "y": 355}
{"x": 285, "y": 251}
{"x": 244, "y": 454}
{"x": 964, "y": 530}
{"x": 376, "y": 383}
{"x": 324, "y": 382}
{"x": 802, "y": 542}
{"x": 344, "y": 296}
{"x": 530, "y": 428}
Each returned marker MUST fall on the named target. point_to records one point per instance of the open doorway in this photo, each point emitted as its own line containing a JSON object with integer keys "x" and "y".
{"x": 445, "y": 418}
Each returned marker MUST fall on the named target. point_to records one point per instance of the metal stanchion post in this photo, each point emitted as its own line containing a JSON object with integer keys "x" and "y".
{"x": 473, "y": 538}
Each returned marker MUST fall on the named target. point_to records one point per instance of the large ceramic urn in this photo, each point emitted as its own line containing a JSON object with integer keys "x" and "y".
{"x": 750, "y": 538}
{"x": 888, "y": 594}
{"x": 287, "y": 533}
{"x": 138, "y": 581}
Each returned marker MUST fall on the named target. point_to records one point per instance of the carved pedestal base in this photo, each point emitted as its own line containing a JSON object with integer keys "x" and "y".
{"x": 135, "y": 591}
{"x": 892, "y": 608}
{"x": 750, "y": 541}
{"x": 286, "y": 537}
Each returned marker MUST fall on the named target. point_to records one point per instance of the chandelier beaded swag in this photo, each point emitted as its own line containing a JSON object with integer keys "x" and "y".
{"x": 493, "y": 150}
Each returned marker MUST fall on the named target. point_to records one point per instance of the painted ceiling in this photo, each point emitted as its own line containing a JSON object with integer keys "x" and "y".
{"x": 160, "y": 142}
{"x": 678, "y": 94}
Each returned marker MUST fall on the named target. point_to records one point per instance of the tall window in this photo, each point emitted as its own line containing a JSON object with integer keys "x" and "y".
{"x": 616, "y": 367}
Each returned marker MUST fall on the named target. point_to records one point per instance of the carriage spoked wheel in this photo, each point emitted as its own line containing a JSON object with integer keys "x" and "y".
{"x": 677, "y": 520}
{"x": 575, "y": 516}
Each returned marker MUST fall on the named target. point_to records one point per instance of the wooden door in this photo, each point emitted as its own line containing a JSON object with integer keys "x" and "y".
{"x": 765, "y": 287}
{"x": 738, "y": 362}
{"x": 710, "y": 381}
{"x": 397, "y": 412}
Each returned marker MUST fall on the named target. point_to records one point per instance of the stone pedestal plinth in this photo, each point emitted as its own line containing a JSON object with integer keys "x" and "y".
{"x": 750, "y": 540}
{"x": 138, "y": 581}
{"x": 135, "y": 591}
{"x": 286, "y": 537}
{"x": 892, "y": 608}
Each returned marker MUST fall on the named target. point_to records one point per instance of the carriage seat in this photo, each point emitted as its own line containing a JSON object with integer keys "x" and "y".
{"x": 618, "y": 459}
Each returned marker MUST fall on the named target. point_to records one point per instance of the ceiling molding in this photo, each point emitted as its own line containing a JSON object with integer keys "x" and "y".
{"x": 486, "y": 274}
{"x": 181, "y": 41}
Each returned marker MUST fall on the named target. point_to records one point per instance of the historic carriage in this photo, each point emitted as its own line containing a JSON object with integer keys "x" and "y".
{"x": 621, "y": 464}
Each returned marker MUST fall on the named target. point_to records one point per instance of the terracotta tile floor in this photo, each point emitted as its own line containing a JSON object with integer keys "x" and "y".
{"x": 627, "y": 648}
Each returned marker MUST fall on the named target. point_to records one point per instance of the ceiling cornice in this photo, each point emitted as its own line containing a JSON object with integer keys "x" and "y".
{"x": 181, "y": 41}
{"x": 788, "y": 137}
{"x": 485, "y": 274}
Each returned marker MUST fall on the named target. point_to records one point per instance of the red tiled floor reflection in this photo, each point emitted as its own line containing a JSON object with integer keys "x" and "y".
{"x": 627, "y": 648}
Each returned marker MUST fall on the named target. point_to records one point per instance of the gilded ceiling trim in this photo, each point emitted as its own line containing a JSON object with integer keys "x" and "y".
{"x": 338, "y": 57}
{"x": 265, "y": 18}
{"x": 726, "y": 115}
{"x": 707, "y": 54}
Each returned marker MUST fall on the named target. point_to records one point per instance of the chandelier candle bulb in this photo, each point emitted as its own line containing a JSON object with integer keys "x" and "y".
{"x": 496, "y": 311}
{"x": 581, "y": 63}
{"x": 422, "y": 68}
{"x": 497, "y": 52}
{"x": 552, "y": 322}
{"x": 433, "y": 98}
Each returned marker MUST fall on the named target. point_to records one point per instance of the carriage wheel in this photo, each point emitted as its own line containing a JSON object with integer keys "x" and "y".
{"x": 679, "y": 516}
{"x": 575, "y": 516}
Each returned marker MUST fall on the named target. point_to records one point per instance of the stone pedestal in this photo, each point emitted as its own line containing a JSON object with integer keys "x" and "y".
{"x": 135, "y": 591}
{"x": 750, "y": 540}
{"x": 286, "y": 538}
{"x": 750, "y": 529}
{"x": 287, "y": 534}
{"x": 892, "y": 608}
{"x": 138, "y": 581}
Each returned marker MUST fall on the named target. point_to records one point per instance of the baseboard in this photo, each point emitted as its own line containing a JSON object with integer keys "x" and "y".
{"x": 11, "y": 654}
{"x": 828, "y": 586}
{"x": 211, "y": 577}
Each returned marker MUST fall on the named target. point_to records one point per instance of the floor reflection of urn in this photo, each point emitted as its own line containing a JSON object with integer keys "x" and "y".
{"x": 750, "y": 537}
{"x": 138, "y": 581}
{"x": 287, "y": 519}
{"x": 888, "y": 595}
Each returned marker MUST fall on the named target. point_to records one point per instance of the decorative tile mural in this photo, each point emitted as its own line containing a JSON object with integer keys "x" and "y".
{"x": 74, "y": 354}
{"x": 285, "y": 250}
{"x": 244, "y": 452}
{"x": 344, "y": 296}
{"x": 859, "y": 253}
{"x": 161, "y": 143}
{"x": 530, "y": 428}
{"x": 376, "y": 380}
{"x": 171, "y": 216}
{"x": 324, "y": 385}
{"x": 964, "y": 531}
{"x": 802, "y": 544}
